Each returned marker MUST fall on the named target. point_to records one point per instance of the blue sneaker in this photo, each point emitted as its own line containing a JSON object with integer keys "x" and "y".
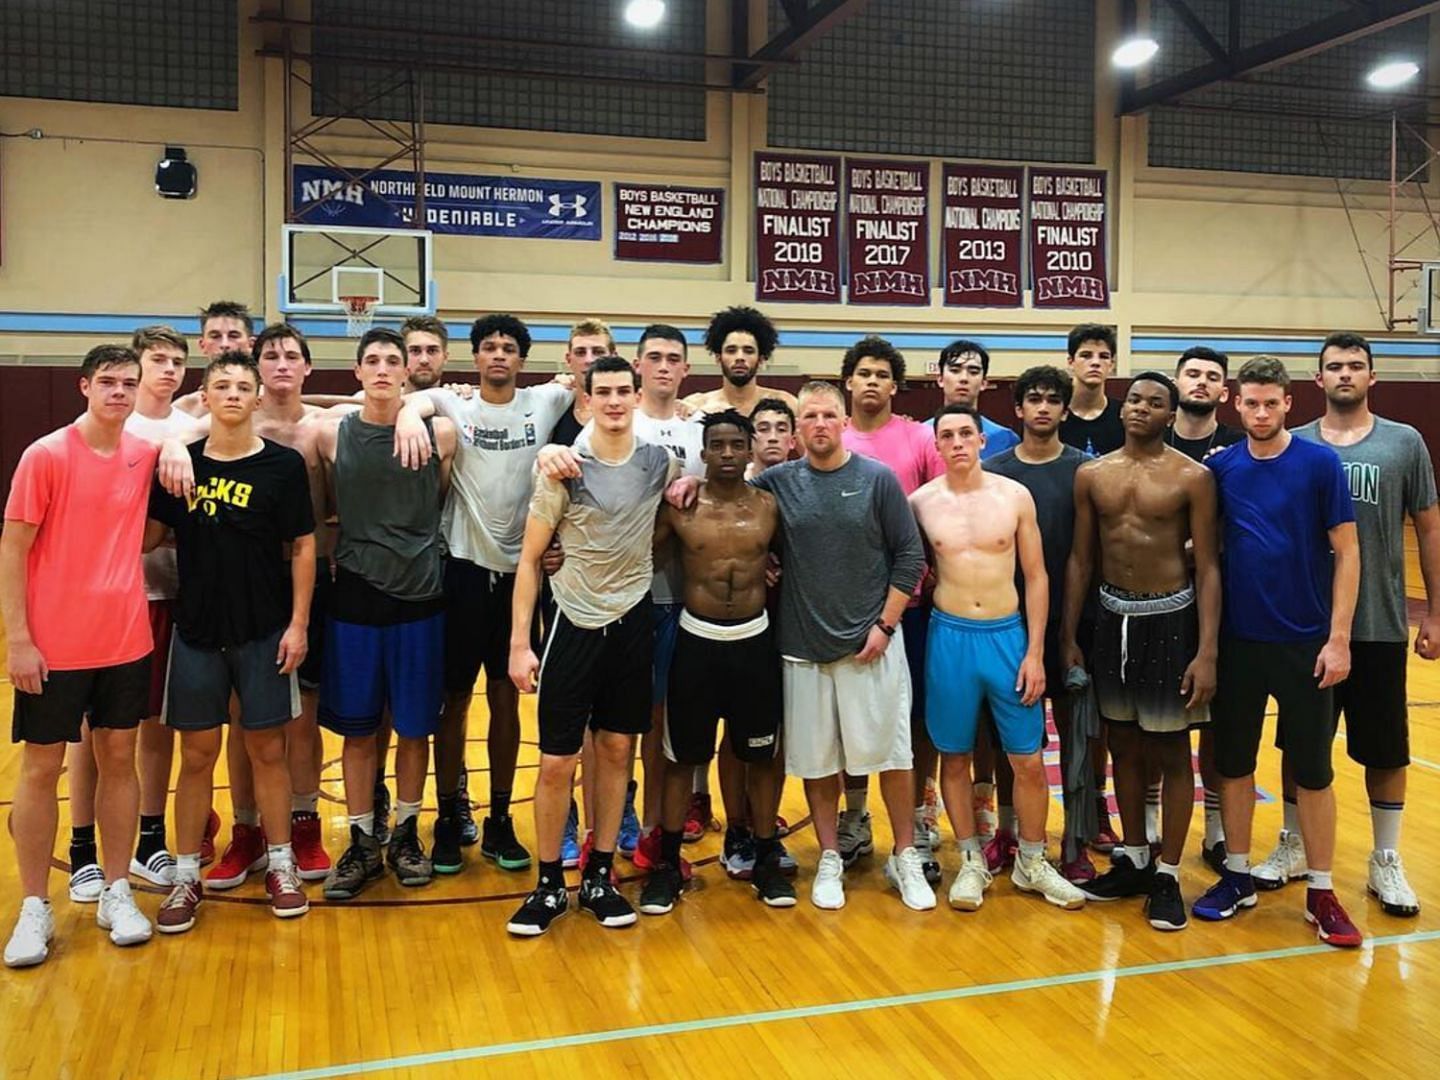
{"x": 629, "y": 837}
{"x": 1227, "y": 896}
{"x": 570, "y": 846}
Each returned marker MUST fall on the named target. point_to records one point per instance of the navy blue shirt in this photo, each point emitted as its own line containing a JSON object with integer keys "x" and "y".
{"x": 1276, "y": 563}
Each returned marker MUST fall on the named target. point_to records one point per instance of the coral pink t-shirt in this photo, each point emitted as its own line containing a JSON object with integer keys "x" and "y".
{"x": 85, "y": 595}
{"x": 906, "y": 446}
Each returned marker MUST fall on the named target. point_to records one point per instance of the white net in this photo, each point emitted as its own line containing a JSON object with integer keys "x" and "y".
{"x": 359, "y": 314}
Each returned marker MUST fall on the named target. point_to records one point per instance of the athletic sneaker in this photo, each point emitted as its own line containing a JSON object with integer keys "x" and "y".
{"x": 406, "y": 857}
{"x": 1332, "y": 925}
{"x": 570, "y": 844}
{"x": 501, "y": 845}
{"x": 158, "y": 869}
{"x": 1165, "y": 907}
{"x": 541, "y": 908}
{"x": 178, "y": 910}
{"x": 646, "y": 857}
{"x": 1106, "y": 840}
{"x": 445, "y": 855}
{"x": 600, "y": 898}
{"x": 967, "y": 891}
{"x": 739, "y": 856}
{"x": 1286, "y": 863}
{"x": 782, "y": 827}
{"x": 770, "y": 884}
{"x": 30, "y": 940}
{"x": 118, "y": 914}
{"x": 699, "y": 817}
{"x": 1000, "y": 851}
{"x": 312, "y": 862}
{"x": 1388, "y": 884}
{"x": 986, "y": 820}
{"x": 1214, "y": 856}
{"x": 87, "y": 883}
{"x": 662, "y": 890}
{"x": 381, "y": 805}
{"x": 1123, "y": 879}
{"x": 1227, "y": 896}
{"x": 827, "y": 891}
{"x": 287, "y": 895}
{"x": 1078, "y": 870}
{"x": 465, "y": 814}
{"x": 925, "y": 845}
{"x": 629, "y": 835}
{"x": 589, "y": 846}
{"x": 245, "y": 853}
{"x": 906, "y": 872}
{"x": 360, "y": 863}
{"x": 207, "y": 842}
{"x": 1038, "y": 876}
{"x": 788, "y": 866}
{"x": 854, "y": 836}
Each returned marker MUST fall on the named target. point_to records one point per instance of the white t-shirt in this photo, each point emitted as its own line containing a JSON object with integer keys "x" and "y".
{"x": 684, "y": 439}
{"x": 162, "y": 577}
{"x": 491, "y": 478}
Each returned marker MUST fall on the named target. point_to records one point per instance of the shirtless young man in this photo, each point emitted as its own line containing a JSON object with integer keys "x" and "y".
{"x": 977, "y": 525}
{"x": 726, "y": 663}
{"x": 740, "y": 339}
{"x": 1156, "y": 633}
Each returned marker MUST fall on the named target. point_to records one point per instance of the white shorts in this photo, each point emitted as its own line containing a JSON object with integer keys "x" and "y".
{"x": 846, "y": 716}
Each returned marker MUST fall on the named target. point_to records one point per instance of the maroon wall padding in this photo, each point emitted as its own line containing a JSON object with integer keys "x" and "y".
{"x": 35, "y": 400}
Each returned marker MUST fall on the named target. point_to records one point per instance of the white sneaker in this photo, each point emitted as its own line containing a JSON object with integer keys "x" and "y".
{"x": 854, "y": 836}
{"x": 30, "y": 941}
{"x": 827, "y": 891}
{"x": 87, "y": 883}
{"x": 1285, "y": 863}
{"x": 906, "y": 872}
{"x": 1038, "y": 876}
{"x": 158, "y": 869}
{"x": 967, "y": 892}
{"x": 1388, "y": 884}
{"x": 118, "y": 914}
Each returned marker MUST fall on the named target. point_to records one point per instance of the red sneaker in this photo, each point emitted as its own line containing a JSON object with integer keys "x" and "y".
{"x": 1332, "y": 925}
{"x": 1078, "y": 870}
{"x": 207, "y": 844}
{"x": 245, "y": 852}
{"x": 782, "y": 828}
{"x": 1105, "y": 839}
{"x": 585, "y": 850}
{"x": 647, "y": 855}
{"x": 699, "y": 817}
{"x": 287, "y": 898}
{"x": 1000, "y": 851}
{"x": 311, "y": 861}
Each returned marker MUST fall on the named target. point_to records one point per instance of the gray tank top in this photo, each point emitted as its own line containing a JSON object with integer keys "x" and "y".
{"x": 389, "y": 515}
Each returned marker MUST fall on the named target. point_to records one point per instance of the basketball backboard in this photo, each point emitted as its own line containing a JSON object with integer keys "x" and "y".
{"x": 322, "y": 264}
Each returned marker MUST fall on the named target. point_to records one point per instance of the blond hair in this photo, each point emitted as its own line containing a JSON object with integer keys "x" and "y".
{"x": 590, "y": 328}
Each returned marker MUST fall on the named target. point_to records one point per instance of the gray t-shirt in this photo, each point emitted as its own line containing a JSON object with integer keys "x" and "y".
{"x": 1052, "y": 486}
{"x": 849, "y": 537}
{"x": 490, "y": 480}
{"x": 1390, "y": 476}
{"x": 606, "y": 524}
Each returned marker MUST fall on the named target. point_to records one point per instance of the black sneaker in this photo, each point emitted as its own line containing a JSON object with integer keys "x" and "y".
{"x": 770, "y": 883}
{"x": 407, "y": 858}
{"x": 1123, "y": 879}
{"x": 662, "y": 890}
{"x": 1165, "y": 907}
{"x": 382, "y": 814}
{"x": 356, "y": 868}
{"x": 445, "y": 852}
{"x": 604, "y": 901}
{"x": 500, "y": 844}
{"x": 1214, "y": 857}
{"x": 541, "y": 908}
{"x": 469, "y": 831}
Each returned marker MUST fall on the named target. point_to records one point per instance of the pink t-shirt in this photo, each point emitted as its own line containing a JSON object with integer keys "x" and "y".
{"x": 85, "y": 595}
{"x": 904, "y": 445}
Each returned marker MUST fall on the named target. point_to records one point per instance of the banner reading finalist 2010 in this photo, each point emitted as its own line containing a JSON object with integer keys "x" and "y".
{"x": 1067, "y": 238}
{"x": 797, "y": 228}
{"x": 887, "y": 226}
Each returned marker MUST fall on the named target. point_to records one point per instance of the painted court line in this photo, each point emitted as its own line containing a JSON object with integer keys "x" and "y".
{"x": 681, "y": 1027}
{"x": 1425, "y": 764}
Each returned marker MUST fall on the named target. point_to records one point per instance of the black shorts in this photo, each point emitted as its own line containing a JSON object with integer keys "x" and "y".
{"x": 1143, "y": 644}
{"x": 1377, "y": 722}
{"x": 312, "y": 668}
{"x": 600, "y": 679}
{"x": 737, "y": 679}
{"x": 109, "y": 697}
{"x": 915, "y": 626}
{"x": 477, "y": 625}
{"x": 1248, "y": 674}
{"x": 197, "y": 694}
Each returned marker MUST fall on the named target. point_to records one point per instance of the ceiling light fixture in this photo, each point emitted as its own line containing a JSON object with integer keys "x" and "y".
{"x": 646, "y": 14}
{"x": 1393, "y": 73}
{"x": 1134, "y": 52}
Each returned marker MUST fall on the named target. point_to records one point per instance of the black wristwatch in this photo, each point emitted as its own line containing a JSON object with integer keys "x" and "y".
{"x": 888, "y": 631}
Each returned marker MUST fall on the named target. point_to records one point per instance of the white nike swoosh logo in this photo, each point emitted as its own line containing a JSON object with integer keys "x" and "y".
{"x": 847, "y": 494}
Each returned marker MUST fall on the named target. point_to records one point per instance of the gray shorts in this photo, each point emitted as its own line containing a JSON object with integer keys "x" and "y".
{"x": 197, "y": 692}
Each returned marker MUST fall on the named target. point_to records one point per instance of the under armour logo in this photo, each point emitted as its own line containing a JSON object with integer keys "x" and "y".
{"x": 575, "y": 205}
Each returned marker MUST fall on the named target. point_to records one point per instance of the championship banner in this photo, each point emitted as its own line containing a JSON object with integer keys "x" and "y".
{"x": 887, "y": 227}
{"x": 981, "y": 235}
{"x": 455, "y": 203}
{"x": 1067, "y": 238}
{"x": 659, "y": 223}
{"x": 797, "y": 228}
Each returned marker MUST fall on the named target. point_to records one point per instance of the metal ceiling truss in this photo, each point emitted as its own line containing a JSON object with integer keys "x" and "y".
{"x": 806, "y": 23}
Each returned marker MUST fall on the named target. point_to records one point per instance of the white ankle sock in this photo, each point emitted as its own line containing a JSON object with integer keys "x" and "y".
{"x": 857, "y": 797}
{"x": 1152, "y": 813}
{"x": 1170, "y": 869}
{"x": 1214, "y": 825}
{"x": 365, "y": 821}
{"x": 1237, "y": 862}
{"x": 1323, "y": 880}
{"x": 404, "y": 811}
{"x": 1385, "y": 824}
{"x": 187, "y": 867}
{"x": 1292, "y": 817}
{"x": 1140, "y": 856}
{"x": 247, "y": 817}
{"x": 281, "y": 857}
{"x": 305, "y": 804}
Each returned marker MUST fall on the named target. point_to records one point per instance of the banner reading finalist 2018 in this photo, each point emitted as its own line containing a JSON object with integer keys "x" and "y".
{"x": 797, "y": 228}
{"x": 887, "y": 224}
{"x": 455, "y": 203}
{"x": 982, "y": 208}
{"x": 1067, "y": 238}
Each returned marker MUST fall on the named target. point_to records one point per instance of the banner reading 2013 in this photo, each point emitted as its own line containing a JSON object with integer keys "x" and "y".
{"x": 981, "y": 233}
{"x": 797, "y": 228}
{"x": 888, "y": 232}
{"x": 1067, "y": 238}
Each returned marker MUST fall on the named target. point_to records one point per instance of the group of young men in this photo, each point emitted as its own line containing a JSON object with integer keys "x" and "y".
{"x": 884, "y": 604}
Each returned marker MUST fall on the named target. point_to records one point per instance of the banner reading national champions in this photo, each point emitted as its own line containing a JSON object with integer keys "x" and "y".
{"x": 980, "y": 234}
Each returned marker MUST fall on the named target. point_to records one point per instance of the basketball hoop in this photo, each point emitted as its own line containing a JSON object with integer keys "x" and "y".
{"x": 359, "y": 314}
